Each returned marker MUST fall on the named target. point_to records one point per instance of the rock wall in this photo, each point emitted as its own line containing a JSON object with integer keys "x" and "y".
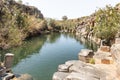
{"x": 31, "y": 10}
{"x": 78, "y": 70}
{"x": 85, "y": 26}
{"x": 115, "y": 50}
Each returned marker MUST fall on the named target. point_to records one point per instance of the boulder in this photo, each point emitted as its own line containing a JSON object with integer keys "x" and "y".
{"x": 77, "y": 66}
{"x": 86, "y": 69}
{"x": 80, "y": 76}
{"x": 63, "y": 68}
{"x": 60, "y": 75}
{"x": 71, "y": 62}
{"x": 85, "y": 55}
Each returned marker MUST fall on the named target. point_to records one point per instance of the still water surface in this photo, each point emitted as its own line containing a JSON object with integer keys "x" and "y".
{"x": 40, "y": 56}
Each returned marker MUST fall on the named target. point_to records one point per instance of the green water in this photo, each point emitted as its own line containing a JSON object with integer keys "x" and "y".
{"x": 40, "y": 56}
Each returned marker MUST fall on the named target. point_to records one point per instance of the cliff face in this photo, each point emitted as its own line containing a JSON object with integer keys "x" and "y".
{"x": 31, "y": 10}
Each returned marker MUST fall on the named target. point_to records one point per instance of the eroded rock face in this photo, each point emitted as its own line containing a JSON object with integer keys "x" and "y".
{"x": 79, "y": 71}
{"x": 24, "y": 8}
{"x": 115, "y": 51}
{"x": 103, "y": 57}
{"x": 84, "y": 71}
{"x": 80, "y": 76}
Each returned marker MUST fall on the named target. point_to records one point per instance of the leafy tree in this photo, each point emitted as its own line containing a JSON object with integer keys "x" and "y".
{"x": 64, "y": 18}
{"x": 107, "y": 23}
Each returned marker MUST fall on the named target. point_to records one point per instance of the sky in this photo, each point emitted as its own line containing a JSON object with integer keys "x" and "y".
{"x": 70, "y": 8}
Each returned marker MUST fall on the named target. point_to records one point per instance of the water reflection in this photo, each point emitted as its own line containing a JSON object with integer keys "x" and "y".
{"x": 41, "y": 55}
{"x": 30, "y": 47}
{"x": 89, "y": 44}
{"x": 53, "y": 37}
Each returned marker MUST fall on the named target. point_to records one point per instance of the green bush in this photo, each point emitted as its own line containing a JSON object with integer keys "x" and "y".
{"x": 92, "y": 61}
{"x": 107, "y": 23}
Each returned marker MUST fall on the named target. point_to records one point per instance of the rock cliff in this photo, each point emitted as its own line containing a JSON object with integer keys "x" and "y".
{"x": 31, "y": 10}
{"x": 87, "y": 26}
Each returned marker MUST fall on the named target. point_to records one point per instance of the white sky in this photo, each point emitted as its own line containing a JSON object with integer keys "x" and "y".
{"x": 71, "y": 8}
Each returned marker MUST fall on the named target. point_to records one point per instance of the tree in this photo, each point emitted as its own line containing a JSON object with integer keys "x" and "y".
{"x": 20, "y": 1}
{"x": 64, "y": 18}
{"x": 107, "y": 23}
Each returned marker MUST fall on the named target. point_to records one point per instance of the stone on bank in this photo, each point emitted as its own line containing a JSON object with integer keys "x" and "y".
{"x": 85, "y": 55}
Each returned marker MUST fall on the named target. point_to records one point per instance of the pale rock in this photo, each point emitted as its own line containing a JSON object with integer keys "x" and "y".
{"x": 60, "y": 75}
{"x": 70, "y": 63}
{"x": 115, "y": 51}
{"x": 85, "y": 55}
{"x": 80, "y": 76}
{"x": 117, "y": 40}
{"x": 63, "y": 68}
{"x": 101, "y": 57}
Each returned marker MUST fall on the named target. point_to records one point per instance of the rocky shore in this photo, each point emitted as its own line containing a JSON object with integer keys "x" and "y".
{"x": 104, "y": 64}
{"x": 6, "y": 72}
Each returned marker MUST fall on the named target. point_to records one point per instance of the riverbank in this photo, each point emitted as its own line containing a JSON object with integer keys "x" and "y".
{"x": 102, "y": 65}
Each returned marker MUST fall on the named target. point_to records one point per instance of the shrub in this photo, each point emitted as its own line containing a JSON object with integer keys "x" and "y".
{"x": 91, "y": 61}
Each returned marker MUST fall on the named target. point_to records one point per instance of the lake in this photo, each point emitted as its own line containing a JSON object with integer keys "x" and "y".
{"x": 41, "y": 55}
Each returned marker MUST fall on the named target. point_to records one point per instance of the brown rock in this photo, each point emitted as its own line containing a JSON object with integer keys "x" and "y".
{"x": 105, "y": 48}
{"x": 103, "y": 58}
{"x": 108, "y": 60}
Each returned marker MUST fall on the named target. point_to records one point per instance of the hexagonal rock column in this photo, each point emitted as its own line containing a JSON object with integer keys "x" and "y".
{"x": 85, "y": 55}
